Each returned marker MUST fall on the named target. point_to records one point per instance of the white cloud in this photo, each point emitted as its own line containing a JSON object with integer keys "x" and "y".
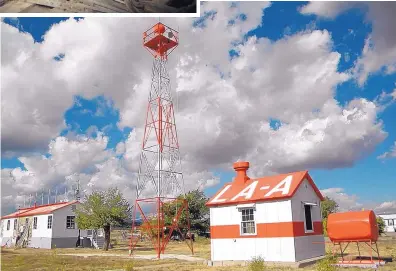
{"x": 389, "y": 154}
{"x": 66, "y": 159}
{"x": 349, "y": 202}
{"x": 329, "y": 10}
{"x": 224, "y": 105}
{"x": 379, "y": 51}
{"x": 386, "y": 207}
{"x": 345, "y": 202}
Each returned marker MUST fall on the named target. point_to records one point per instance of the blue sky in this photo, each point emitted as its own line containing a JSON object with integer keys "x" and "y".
{"x": 370, "y": 178}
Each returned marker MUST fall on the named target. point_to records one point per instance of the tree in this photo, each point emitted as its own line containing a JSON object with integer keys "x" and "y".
{"x": 103, "y": 209}
{"x": 198, "y": 212}
{"x": 328, "y": 206}
{"x": 381, "y": 225}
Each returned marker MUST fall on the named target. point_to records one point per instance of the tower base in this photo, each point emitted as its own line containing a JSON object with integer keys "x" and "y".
{"x": 162, "y": 218}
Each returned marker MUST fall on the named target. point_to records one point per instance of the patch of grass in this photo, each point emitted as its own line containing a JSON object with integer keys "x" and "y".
{"x": 327, "y": 264}
{"x": 56, "y": 260}
{"x": 257, "y": 264}
{"x": 129, "y": 266}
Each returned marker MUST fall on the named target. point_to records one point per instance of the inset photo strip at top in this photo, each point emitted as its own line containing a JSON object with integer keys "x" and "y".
{"x": 189, "y": 7}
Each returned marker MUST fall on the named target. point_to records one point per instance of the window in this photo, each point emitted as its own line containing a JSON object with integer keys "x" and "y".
{"x": 308, "y": 218}
{"x": 70, "y": 222}
{"x": 390, "y": 222}
{"x": 15, "y": 224}
{"x": 247, "y": 224}
{"x": 49, "y": 222}
{"x": 34, "y": 223}
{"x": 8, "y": 224}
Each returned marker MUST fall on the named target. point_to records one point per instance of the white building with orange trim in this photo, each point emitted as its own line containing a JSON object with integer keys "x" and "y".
{"x": 277, "y": 218}
{"x": 46, "y": 226}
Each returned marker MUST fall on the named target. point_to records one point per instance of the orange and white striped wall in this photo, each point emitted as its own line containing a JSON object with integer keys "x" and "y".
{"x": 280, "y": 233}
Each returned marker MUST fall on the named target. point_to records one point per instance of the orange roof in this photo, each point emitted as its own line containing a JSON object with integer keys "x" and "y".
{"x": 38, "y": 210}
{"x": 246, "y": 190}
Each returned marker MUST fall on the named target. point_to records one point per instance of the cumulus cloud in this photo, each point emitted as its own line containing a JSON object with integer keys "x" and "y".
{"x": 349, "y": 202}
{"x": 66, "y": 158}
{"x": 224, "y": 105}
{"x": 345, "y": 201}
{"x": 386, "y": 207}
{"x": 389, "y": 154}
{"x": 329, "y": 10}
{"x": 379, "y": 51}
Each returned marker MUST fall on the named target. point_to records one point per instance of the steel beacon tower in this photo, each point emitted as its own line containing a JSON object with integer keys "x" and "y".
{"x": 160, "y": 180}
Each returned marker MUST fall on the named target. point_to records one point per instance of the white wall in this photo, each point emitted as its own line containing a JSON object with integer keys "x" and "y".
{"x": 10, "y": 232}
{"x": 312, "y": 245}
{"x": 305, "y": 193}
{"x": 243, "y": 249}
{"x": 266, "y": 212}
{"x": 59, "y": 223}
{"x": 42, "y": 229}
{"x": 309, "y": 247}
{"x": 271, "y": 249}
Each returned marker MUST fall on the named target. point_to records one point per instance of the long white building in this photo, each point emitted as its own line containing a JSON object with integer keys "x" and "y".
{"x": 44, "y": 226}
{"x": 276, "y": 217}
{"x": 390, "y": 222}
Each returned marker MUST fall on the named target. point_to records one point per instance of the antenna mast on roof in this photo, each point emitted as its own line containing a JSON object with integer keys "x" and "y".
{"x": 77, "y": 191}
{"x": 66, "y": 198}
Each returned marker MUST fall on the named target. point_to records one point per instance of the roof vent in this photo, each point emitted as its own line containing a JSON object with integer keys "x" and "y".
{"x": 241, "y": 168}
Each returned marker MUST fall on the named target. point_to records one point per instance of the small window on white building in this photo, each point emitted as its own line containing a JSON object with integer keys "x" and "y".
{"x": 49, "y": 222}
{"x": 8, "y": 224}
{"x": 70, "y": 222}
{"x": 390, "y": 222}
{"x": 34, "y": 223}
{"x": 15, "y": 224}
{"x": 308, "y": 218}
{"x": 247, "y": 225}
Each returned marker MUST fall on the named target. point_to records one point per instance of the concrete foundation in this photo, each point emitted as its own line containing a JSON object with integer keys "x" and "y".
{"x": 361, "y": 265}
{"x": 68, "y": 242}
{"x": 40, "y": 242}
{"x": 299, "y": 264}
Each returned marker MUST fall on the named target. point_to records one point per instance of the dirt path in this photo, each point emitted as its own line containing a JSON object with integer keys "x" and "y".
{"x": 140, "y": 257}
{"x": 148, "y": 267}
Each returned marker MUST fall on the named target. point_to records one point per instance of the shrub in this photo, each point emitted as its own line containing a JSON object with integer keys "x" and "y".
{"x": 327, "y": 264}
{"x": 324, "y": 222}
{"x": 129, "y": 266}
{"x": 257, "y": 264}
{"x": 381, "y": 225}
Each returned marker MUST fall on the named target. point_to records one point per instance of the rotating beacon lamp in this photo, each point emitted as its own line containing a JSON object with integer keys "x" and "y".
{"x": 160, "y": 162}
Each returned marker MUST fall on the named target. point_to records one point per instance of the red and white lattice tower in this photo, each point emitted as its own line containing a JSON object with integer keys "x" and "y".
{"x": 160, "y": 179}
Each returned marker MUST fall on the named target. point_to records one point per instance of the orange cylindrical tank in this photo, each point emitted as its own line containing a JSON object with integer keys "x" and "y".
{"x": 352, "y": 226}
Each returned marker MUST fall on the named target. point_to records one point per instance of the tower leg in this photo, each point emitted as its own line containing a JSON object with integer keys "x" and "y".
{"x": 131, "y": 242}
{"x": 158, "y": 227}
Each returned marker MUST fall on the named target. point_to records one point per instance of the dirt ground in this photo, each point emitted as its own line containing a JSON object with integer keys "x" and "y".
{"x": 116, "y": 259}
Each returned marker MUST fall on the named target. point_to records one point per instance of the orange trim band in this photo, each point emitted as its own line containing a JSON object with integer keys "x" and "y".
{"x": 266, "y": 230}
